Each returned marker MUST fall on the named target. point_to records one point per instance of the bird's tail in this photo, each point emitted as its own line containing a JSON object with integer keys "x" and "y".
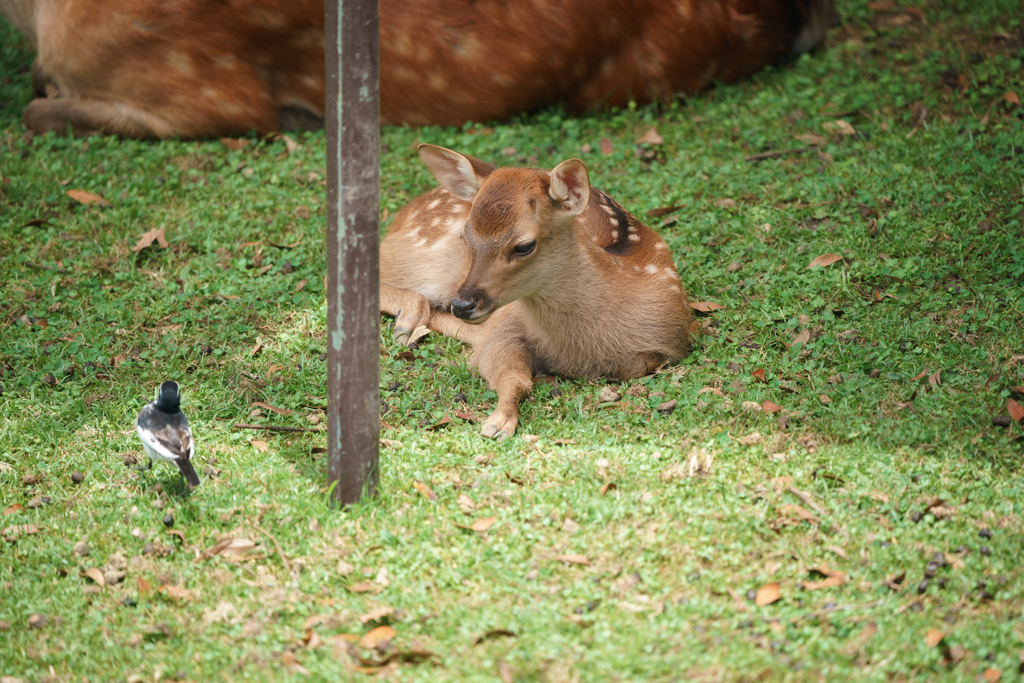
{"x": 187, "y": 470}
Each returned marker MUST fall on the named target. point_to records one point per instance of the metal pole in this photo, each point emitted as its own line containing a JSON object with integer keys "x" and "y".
{"x": 352, "y": 115}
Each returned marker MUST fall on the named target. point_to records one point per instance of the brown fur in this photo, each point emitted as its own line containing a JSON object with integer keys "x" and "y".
{"x": 202, "y": 68}
{"x": 598, "y": 295}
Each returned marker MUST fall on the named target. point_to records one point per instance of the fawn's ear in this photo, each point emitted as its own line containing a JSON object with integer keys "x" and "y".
{"x": 459, "y": 174}
{"x": 570, "y": 186}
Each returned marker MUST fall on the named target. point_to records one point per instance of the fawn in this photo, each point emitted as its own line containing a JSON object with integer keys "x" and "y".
{"x": 193, "y": 69}
{"x": 538, "y": 272}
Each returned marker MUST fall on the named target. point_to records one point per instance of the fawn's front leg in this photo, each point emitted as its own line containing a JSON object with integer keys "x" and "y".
{"x": 507, "y": 368}
{"x": 411, "y": 310}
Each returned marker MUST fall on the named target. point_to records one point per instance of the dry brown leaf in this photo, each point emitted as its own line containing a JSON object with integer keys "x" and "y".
{"x": 234, "y": 144}
{"x": 17, "y": 507}
{"x": 608, "y": 486}
{"x": 145, "y": 588}
{"x": 884, "y": 6}
{"x": 363, "y": 587}
{"x": 466, "y": 504}
{"x": 606, "y": 146}
{"x": 87, "y": 198}
{"x": 574, "y": 558}
{"x": 705, "y": 306}
{"x": 769, "y": 407}
{"x": 714, "y": 390}
{"x": 811, "y": 139}
{"x": 663, "y": 210}
{"x": 483, "y": 524}
{"x": 302, "y": 283}
{"x": 96, "y": 575}
{"x": 1010, "y": 97}
{"x": 260, "y": 445}
{"x": 279, "y": 411}
{"x": 759, "y": 375}
{"x": 767, "y": 594}
{"x": 425, "y": 490}
{"x": 314, "y": 621}
{"x": 505, "y": 672}
{"x": 12, "y": 532}
{"x": 933, "y": 637}
{"x": 1016, "y": 410}
{"x": 791, "y": 510}
{"x": 177, "y": 532}
{"x": 935, "y": 379}
{"x": 839, "y": 126}
{"x": 377, "y": 636}
{"x": 651, "y": 137}
{"x": 290, "y": 144}
{"x": 256, "y": 349}
{"x": 832, "y": 579}
{"x": 376, "y": 614}
{"x": 992, "y": 674}
{"x": 176, "y": 592}
{"x": 824, "y": 260}
{"x": 230, "y": 547}
{"x": 155, "y": 235}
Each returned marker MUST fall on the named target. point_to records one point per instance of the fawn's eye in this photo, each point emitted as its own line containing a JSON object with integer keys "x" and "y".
{"x": 524, "y": 248}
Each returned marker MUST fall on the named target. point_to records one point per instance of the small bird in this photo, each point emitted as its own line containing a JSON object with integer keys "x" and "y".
{"x": 165, "y": 433}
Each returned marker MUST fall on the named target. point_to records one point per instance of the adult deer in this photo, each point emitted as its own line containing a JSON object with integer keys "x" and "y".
{"x": 207, "y": 68}
{"x": 538, "y": 272}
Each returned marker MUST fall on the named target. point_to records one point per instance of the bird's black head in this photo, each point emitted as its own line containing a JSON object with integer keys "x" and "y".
{"x": 168, "y": 399}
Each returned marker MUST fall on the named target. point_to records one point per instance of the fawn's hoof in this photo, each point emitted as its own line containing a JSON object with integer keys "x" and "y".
{"x": 498, "y": 428}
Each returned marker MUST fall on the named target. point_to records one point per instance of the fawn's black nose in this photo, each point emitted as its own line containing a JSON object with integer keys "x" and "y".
{"x": 462, "y": 309}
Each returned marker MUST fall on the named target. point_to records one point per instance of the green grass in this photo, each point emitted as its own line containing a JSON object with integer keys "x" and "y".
{"x": 931, "y": 280}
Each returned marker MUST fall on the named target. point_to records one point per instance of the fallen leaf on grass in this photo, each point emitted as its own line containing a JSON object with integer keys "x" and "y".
{"x": 87, "y": 198}
{"x": 895, "y": 581}
{"x": 992, "y": 674}
{"x": 314, "y": 621}
{"x": 759, "y": 375}
{"x": 1010, "y": 97}
{"x": 425, "y": 490}
{"x": 839, "y": 126}
{"x": 811, "y": 139}
{"x": 256, "y": 349}
{"x": 230, "y": 547}
{"x": 803, "y": 338}
{"x": 483, "y": 524}
{"x": 495, "y": 633}
{"x": 234, "y": 144}
{"x": 302, "y": 283}
{"x": 824, "y": 260}
{"x": 12, "y": 532}
{"x": 884, "y": 6}
{"x": 714, "y": 390}
{"x": 705, "y": 306}
{"x": 767, "y": 594}
{"x": 289, "y": 660}
{"x": 156, "y": 235}
{"x": 606, "y": 146}
{"x": 363, "y": 587}
{"x": 13, "y": 508}
{"x": 505, "y": 672}
{"x": 832, "y": 579}
{"x": 145, "y": 588}
{"x": 609, "y": 486}
{"x": 651, "y": 137}
{"x": 935, "y": 379}
{"x": 791, "y": 510}
{"x": 279, "y": 411}
{"x": 177, "y": 532}
{"x": 574, "y": 558}
{"x": 376, "y": 614}
{"x": 376, "y": 637}
{"x": 96, "y": 575}
{"x": 176, "y": 592}
{"x": 769, "y": 407}
{"x": 440, "y": 423}
{"x": 260, "y": 445}
{"x": 933, "y": 637}
{"x": 664, "y": 210}
{"x": 1016, "y": 411}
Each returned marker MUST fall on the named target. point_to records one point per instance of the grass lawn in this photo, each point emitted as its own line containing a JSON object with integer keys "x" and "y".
{"x": 871, "y": 507}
